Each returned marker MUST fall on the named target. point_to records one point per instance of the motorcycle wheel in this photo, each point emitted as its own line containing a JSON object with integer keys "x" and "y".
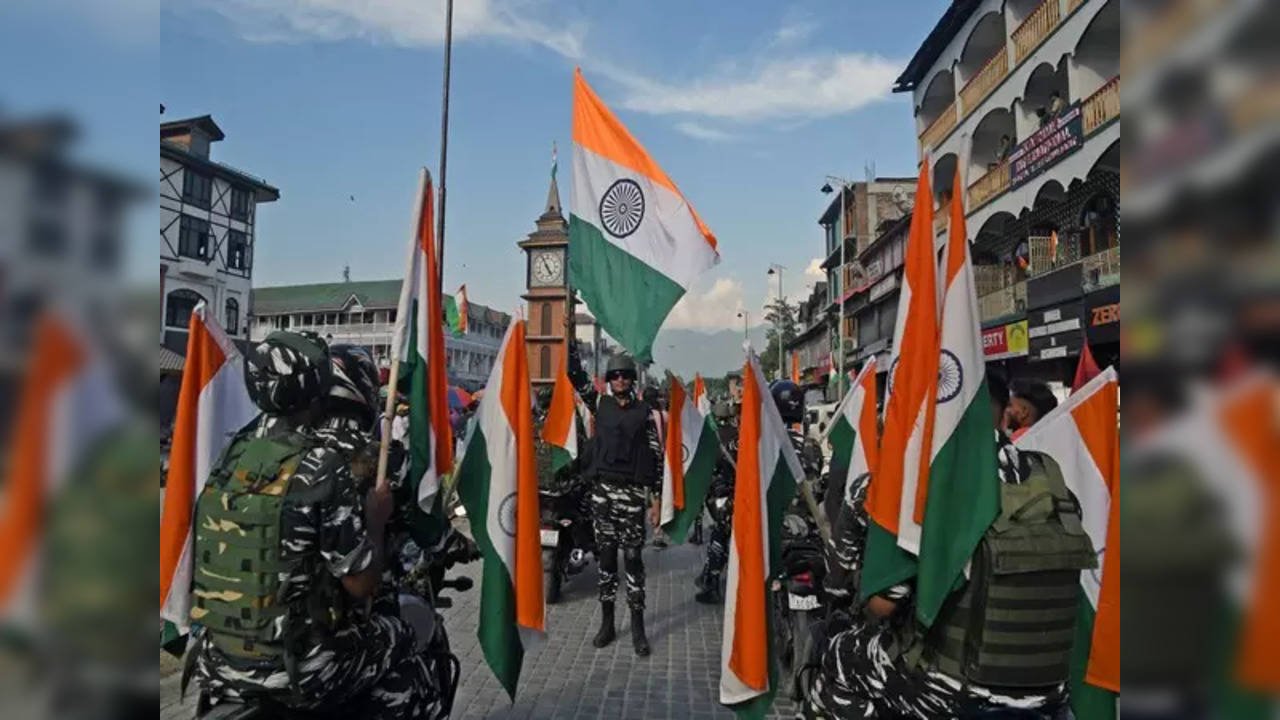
{"x": 802, "y": 646}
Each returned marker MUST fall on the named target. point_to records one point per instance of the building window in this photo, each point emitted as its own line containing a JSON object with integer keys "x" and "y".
{"x": 193, "y": 238}
{"x": 232, "y": 312}
{"x": 178, "y": 307}
{"x": 368, "y": 318}
{"x": 545, "y": 361}
{"x": 239, "y": 203}
{"x": 1100, "y": 225}
{"x": 391, "y": 315}
{"x": 546, "y": 319}
{"x": 237, "y": 250}
{"x": 197, "y": 189}
{"x": 331, "y": 318}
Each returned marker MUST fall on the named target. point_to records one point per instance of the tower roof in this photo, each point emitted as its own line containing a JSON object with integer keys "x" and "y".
{"x": 552, "y": 210}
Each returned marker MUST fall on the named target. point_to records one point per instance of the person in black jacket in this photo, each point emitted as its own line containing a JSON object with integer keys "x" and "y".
{"x": 624, "y": 471}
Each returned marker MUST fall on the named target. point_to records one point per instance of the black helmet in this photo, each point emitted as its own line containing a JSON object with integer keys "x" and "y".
{"x": 790, "y": 400}
{"x": 354, "y": 389}
{"x": 287, "y": 372}
{"x": 722, "y": 410}
{"x": 622, "y": 364}
{"x": 650, "y": 396}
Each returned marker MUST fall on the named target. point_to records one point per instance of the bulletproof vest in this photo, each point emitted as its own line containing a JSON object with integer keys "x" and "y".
{"x": 238, "y": 564}
{"x": 620, "y": 447}
{"x": 1013, "y": 623}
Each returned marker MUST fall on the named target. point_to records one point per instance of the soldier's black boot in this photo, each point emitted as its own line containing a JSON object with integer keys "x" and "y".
{"x": 606, "y": 634}
{"x": 638, "y": 638}
{"x": 710, "y": 594}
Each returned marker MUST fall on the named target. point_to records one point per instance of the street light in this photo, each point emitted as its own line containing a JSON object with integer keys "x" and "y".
{"x": 746, "y": 338}
{"x": 777, "y": 269}
{"x": 826, "y": 189}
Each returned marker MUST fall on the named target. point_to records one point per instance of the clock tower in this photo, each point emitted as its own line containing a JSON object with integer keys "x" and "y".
{"x": 547, "y": 291}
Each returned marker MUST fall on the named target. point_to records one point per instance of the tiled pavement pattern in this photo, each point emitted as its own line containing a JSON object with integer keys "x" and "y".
{"x": 568, "y": 678}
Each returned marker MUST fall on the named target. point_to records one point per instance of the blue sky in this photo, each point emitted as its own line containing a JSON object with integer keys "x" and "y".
{"x": 746, "y": 106}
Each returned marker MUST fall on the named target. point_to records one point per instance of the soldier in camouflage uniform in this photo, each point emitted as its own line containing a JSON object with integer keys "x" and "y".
{"x": 719, "y": 504}
{"x": 325, "y": 648}
{"x": 865, "y": 671}
{"x": 624, "y": 466}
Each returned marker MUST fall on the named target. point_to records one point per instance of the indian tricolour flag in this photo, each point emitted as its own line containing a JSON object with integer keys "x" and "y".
{"x": 688, "y": 462}
{"x": 700, "y": 399}
{"x": 213, "y": 404}
{"x": 854, "y": 438}
{"x": 768, "y": 471}
{"x": 635, "y": 243}
{"x": 959, "y": 497}
{"x": 560, "y": 429}
{"x": 1083, "y": 436}
{"x": 419, "y": 335}
{"x": 498, "y": 484}
{"x": 908, "y": 418}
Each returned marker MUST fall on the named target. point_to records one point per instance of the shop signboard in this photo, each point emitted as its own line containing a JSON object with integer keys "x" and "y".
{"x": 882, "y": 288}
{"x": 1057, "y": 139}
{"x": 1005, "y": 341}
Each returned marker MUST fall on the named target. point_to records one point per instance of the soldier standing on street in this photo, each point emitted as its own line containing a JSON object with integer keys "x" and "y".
{"x": 719, "y": 505}
{"x": 624, "y": 465}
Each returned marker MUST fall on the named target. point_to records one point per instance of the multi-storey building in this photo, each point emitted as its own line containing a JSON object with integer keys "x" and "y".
{"x": 364, "y": 313}
{"x": 208, "y": 214}
{"x": 811, "y": 347}
{"x": 1021, "y": 100}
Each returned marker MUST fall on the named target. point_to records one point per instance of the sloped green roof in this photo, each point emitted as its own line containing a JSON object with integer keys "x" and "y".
{"x": 372, "y": 294}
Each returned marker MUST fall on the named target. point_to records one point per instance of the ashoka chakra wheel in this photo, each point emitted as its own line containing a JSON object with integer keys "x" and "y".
{"x": 950, "y": 376}
{"x": 622, "y": 208}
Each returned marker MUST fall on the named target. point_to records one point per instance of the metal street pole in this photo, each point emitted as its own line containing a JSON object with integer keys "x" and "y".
{"x": 444, "y": 133}
{"x": 840, "y": 310}
{"x": 774, "y": 267}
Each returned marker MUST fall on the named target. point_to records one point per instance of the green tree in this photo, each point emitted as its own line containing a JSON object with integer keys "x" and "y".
{"x": 781, "y": 316}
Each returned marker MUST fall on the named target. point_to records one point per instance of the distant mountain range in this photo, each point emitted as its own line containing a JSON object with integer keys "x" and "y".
{"x": 712, "y": 353}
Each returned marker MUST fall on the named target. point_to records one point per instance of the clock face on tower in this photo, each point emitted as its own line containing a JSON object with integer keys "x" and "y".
{"x": 546, "y": 268}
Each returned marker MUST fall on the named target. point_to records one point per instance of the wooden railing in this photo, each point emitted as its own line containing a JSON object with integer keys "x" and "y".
{"x": 1073, "y": 4}
{"x": 940, "y": 217}
{"x": 1005, "y": 301}
{"x": 994, "y": 182}
{"x": 986, "y": 80}
{"x": 940, "y": 127}
{"x": 1101, "y": 107}
{"x": 1038, "y": 26}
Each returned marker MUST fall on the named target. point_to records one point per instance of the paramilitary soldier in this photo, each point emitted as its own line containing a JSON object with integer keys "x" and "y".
{"x": 976, "y": 658}
{"x": 623, "y": 467}
{"x": 288, "y": 552}
{"x": 719, "y": 506}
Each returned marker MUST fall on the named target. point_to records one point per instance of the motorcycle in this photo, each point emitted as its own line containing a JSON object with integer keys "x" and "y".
{"x": 422, "y": 585}
{"x": 565, "y": 537}
{"x": 797, "y": 598}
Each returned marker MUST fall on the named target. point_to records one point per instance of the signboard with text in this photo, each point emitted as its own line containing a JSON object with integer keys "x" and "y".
{"x": 1005, "y": 341}
{"x": 1057, "y": 139}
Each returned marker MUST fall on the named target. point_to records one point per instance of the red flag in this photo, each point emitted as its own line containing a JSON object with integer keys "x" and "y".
{"x": 1086, "y": 369}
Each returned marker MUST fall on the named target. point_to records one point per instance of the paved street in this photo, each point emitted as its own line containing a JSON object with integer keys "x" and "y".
{"x": 568, "y": 678}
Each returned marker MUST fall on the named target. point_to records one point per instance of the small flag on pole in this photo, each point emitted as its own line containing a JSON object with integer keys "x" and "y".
{"x": 560, "y": 429}
{"x": 688, "y": 462}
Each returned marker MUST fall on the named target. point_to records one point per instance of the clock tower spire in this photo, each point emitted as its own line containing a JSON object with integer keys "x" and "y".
{"x": 547, "y": 289}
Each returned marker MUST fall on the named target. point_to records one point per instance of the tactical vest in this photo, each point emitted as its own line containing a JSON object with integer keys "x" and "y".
{"x": 236, "y": 586}
{"x": 620, "y": 448}
{"x": 1013, "y": 623}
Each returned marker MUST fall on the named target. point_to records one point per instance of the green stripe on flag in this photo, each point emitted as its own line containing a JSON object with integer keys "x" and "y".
{"x": 885, "y": 564}
{"x": 426, "y": 528}
{"x": 560, "y": 457}
{"x": 452, "y": 318}
{"x": 841, "y": 439}
{"x": 629, "y": 299}
{"x": 1087, "y": 701}
{"x": 498, "y": 635}
{"x": 697, "y": 480}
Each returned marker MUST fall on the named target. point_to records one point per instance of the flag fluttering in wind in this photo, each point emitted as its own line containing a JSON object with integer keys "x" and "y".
{"x": 700, "y": 399}
{"x": 908, "y": 419}
{"x": 855, "y": 441}
{"x": 768, "y": 471}
{"x": 560, "y": 429}
{"x": 455, "y": 310}
{"x": 959, "y": 497}
{"x": 635, "y": 243}
{"x": 688, "y": 462}
{"x": 1082, "y": 435}
{"x": 419, "y": 335}
{"x": 498, "y": 484}
{"x": 1087, "y": 368}
{"x": 213, "y": 404}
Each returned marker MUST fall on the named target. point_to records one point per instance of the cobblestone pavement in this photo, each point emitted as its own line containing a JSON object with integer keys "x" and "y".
{"x": 568, "y": 678}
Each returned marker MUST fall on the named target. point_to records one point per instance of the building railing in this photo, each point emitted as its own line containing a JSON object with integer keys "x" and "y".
{"x": 992, "y": 183}
{"x": 986, "y": 80}
{"x": 940, "y": 218}
{"x": 1003, "y": 302}
{"x": 1101, "y": 107}
{"x": 1073, "y": 4}
{"x": 1038, "y": 26}
{"x": 940, "y": 127}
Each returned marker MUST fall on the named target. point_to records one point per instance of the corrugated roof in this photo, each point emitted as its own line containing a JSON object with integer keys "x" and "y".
{"x": 948, "y": 25}
{"x": 171, "y": 361}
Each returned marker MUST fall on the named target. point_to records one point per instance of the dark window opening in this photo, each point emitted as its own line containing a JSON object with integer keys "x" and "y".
{"x": 546, "y": 320}
{"x": 545, "y": 361}
{"x": 237, "y": 250}
{"x": 193, "y": 238}
{"x": 232, "y": 313}
{"x": 178, "y": 307}
{"x": 197, "y": 189}
{"x": 239, "y": 203}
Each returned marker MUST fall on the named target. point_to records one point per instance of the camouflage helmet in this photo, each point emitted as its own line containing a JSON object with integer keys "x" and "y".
{"x": 543, "y": 399}
{"x": 354, "y": 389}
{"x": 287, "y": 372}
{"x": 722, "y": 410}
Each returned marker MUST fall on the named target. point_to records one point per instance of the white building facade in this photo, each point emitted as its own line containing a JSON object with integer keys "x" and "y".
{"x": 208, "y": 213}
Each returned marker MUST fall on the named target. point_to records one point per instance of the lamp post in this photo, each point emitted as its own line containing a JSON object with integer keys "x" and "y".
{"x": 746, "y": 337}
{"x": 826, "y": 189}
{"x": 777, "y": 269}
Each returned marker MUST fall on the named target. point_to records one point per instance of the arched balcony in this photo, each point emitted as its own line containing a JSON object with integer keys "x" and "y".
{"x": 984, "y": 61}
{"x": 993, "y": 139}
{"x": 944, "y": 175}
{"x": 938, "y": 115}
{"x": 1047, "y": 93}
{"x": 1096, "y": 62}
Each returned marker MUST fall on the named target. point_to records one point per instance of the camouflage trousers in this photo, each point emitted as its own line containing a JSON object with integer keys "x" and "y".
{"x": 721, "y": 510}
{"x": 861, "y": 677}
{"x": 618, "y": 516}
{"x": 370, "y": 669}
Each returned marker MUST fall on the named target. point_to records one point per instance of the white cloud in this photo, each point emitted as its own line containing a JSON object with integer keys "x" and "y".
{"x": 793, "y": 31}
{"x": 714, "y": 309}
{"x": 814, "y": 271}
{"x": 702, "y": 132}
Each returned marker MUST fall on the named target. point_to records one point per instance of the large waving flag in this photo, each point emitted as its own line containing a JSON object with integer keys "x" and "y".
{"x": 688, "y": 462}
{"x": 560, "y": 430}
{"x": 960, "y": 496}
{"x": 1082, "y": 435}
{"x": 700, "y": 399}
{"x": 421, "y": 343}
{"x": 635, "y": 243}
{"x": 768, "y": 471}
{"x": 855, "y": 441}
{"x": 908, "y": 419}
{"x": 213, "y": 404}
{"x": 498, "y": 484}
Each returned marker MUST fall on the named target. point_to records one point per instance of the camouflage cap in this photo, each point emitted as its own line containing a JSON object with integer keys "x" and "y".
{"x": 288, "y": 371}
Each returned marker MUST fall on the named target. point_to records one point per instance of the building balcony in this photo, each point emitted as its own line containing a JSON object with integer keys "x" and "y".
{"x": 940, "y": 218}
{"x": 1101, "y": 107}
{"x": 991, "y": 184}
{"x": 940, "y": 127}
{"x": 1039, "y": 25}
{"x": 984, "y": 81}
{"x": 1003, "y": 302}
